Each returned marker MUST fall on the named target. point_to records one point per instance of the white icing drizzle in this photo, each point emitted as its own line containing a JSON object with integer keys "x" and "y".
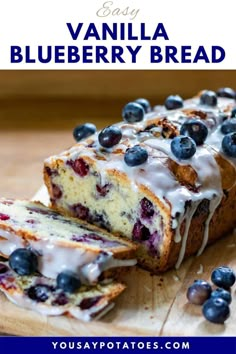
{"x": 91, "y": 271}
{"x": 200, "y": 270}
{"x": 178, "y": 236}
{"x": 9, "y": 242}
{"x": 188, "y": 218}
{"x": 176, "y": 278}
{"x": 14, "y": 288}
{"x": 23, "y": 301}
{"x": 212, "y": 207}
{"x": 55, "y": 258}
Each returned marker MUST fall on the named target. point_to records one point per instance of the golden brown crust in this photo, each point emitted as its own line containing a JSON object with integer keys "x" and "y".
{"x": 190, "y": 113}
{"x": 185, "y": 174}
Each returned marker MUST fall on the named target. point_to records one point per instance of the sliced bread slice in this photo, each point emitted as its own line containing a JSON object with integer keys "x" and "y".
{"x": 42, "y": 295}
{"x": 61, "y": 243}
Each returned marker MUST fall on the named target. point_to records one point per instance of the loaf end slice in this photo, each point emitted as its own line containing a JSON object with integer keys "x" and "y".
{"x": 40, "y": 294}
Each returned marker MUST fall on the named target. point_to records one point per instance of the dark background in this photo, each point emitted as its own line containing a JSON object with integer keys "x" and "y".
{"x": 62, "y": 99}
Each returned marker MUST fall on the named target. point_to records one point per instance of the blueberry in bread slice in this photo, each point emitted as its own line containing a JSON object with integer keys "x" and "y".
{"x": 165, "y": 179}
{"x": 42, "y": 294}
{"x": 59, "y": 243}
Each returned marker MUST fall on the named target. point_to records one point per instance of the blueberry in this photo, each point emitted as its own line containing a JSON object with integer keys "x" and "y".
{"x": 228, "y": 126}
{"x": 3, "y": 268}
{"x": 87, "y": 303}
{"x": 223, "y": 294}
{"x": 229, "y": 144}
{"x": 147, "y": 209}
{"x": 68, "y": 281}
{"x": 208, "y": 98}
{"x": 140, "y": 232}
{"x": 145, "y": 104}
{"x": 174, "y": 102}
{"x": 79, "y": 166}
{"x": 133, "y": 112}
{"x": 216, "y": 310}
{"x": 110, "y": 136}
{"x": 23, "y": 261}
{"x": 226, "y": 92}
{"x": 39, "y": 292}
{"x": 183, "y": 147}
{"x": 199, "y": 292}
{"x": 233, "y": 113}
{"x": 223, "y": 277}
{"x": 195, "y": 129}
{"x": 84, "y": 131}
{"x": 60, "y": 300}
{"x": 135, "y": 156}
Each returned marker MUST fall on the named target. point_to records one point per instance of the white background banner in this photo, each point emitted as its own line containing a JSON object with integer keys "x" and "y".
{"x": 117, "y": 34}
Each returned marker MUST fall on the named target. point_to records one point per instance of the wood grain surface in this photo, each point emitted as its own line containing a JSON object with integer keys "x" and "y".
{"x": 60, "y": 99}
{"x": 151, "y": 305}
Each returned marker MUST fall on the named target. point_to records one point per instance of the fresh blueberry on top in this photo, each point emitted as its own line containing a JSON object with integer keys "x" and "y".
{"x": 229, "y": 144}
{"x": 221, "y": 293}
{"x": 223, "y": 277}
{"x": 208, "y": 98}
{"x": 226, "y": 92}
{"x": 183, "y": 147}
{"x": 110, "y": 136}
{"x": 228, "y": 126}
{"x": 39, "y": 292}
{"x": 84, "y": 131}
{"x": 174, "y": 102}
{"x": 144, "y": 103}
{"x": 135, "y": 156}
{"x": 133, "y": 112}
{"x": 233, "y": 113}
{"x": 216, "y": 310}
{"x": 23, "y": 261}
{"x": 195, "y": 129}
{"x": 199, "y": 292}
{"x": 68, "y": 281}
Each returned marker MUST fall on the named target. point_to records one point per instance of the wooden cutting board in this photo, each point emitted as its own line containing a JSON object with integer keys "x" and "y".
{"x": 150, "y": 306}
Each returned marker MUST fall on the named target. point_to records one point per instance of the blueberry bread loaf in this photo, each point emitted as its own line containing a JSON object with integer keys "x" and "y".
{"x": 164, "y": 178}
{"x": 61, "y": 243}
{"x": 43, "y": 295}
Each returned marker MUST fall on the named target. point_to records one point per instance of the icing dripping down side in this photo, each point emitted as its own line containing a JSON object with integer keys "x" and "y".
{"x": 214, "y": 203}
